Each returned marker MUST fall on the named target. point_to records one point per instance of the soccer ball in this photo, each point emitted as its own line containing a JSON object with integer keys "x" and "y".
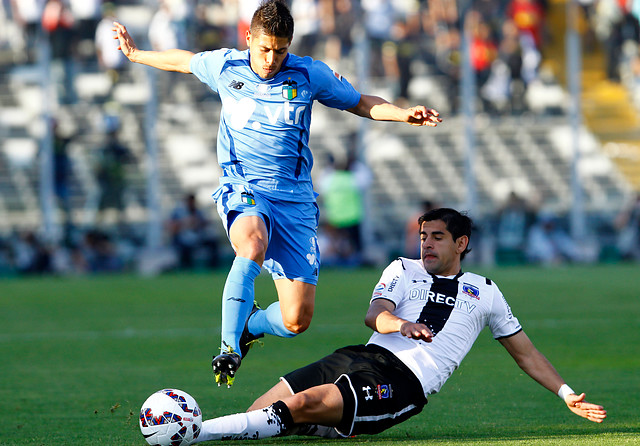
{"x": 170, "y": 417}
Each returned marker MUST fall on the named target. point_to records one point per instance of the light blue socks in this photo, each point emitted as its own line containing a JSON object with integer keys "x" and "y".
{"x": 269, "y": 321}
{"x": 237, "y": 301}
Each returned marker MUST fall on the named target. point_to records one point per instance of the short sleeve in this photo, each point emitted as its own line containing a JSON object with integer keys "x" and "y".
{"x": 331, "y": 89}
{"x": 207, "y": 65}
{"x": 390, "y": 285}
{"x": 502, "y": 322}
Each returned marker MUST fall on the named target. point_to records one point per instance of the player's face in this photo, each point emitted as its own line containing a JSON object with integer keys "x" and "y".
{"x": 440, "y": 253}
{"x": 267, "y": 53}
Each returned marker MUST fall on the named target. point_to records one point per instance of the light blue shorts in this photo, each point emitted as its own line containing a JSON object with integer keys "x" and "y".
{"x": 292, "y": 227}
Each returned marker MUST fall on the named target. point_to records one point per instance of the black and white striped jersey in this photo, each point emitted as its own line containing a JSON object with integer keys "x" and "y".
{"x": 456, "y": 309}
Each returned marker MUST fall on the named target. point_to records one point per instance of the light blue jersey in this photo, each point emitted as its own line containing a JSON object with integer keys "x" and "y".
{"x": 263, "y": 137}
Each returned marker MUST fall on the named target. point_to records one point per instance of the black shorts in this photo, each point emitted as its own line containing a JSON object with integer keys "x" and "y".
{"x": 378, "y": 390}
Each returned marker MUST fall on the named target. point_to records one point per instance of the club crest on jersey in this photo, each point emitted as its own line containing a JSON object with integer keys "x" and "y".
{"x": 471, "y": 291}
{"x": 289, "y": 89}
{"x": 247, "y": 198}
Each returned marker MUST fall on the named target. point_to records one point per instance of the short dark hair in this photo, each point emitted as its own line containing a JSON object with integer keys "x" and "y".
{"x": 273, "y": 18}
{"x": 458, "y": 224}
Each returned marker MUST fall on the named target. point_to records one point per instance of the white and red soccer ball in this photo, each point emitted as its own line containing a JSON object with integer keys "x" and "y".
{"x": 170, "y": 417}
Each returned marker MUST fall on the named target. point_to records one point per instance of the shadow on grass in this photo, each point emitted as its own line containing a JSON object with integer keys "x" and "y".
{"x": 606, "y": 435}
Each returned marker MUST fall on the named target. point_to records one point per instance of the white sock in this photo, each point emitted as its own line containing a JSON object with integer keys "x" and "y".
{"x": 262, "y": 423}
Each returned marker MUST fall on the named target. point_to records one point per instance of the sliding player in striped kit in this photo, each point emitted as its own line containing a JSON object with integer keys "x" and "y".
{"x": 426, "y": 315}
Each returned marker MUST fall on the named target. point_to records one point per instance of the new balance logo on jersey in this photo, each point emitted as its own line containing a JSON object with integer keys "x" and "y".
{"x": 236, "y": 84}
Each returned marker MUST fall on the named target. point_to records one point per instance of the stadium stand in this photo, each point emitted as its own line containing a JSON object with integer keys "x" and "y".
{"x": 527, "y": 152}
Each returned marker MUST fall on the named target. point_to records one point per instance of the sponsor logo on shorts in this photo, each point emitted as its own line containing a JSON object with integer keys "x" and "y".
{"x": 384, "y": 391}
{"x": 312, "y": 256}
{"x": 247, "y": 198}
{"x": 367, "y": 391}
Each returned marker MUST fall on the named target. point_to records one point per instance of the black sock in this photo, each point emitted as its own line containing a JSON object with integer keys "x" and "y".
{"x": 283, "y": 412}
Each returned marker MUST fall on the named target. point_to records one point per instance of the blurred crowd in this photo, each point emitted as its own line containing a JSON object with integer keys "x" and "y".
{"x": 524, "y": 232}
{"x": 406, "y": 37}
{"x": 191, "y": 245}
{"x": 507, "y": 37}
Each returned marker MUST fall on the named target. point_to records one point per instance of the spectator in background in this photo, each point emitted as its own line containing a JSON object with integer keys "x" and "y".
{"x": 86, "y": 14}
{"x": 246, "y": 8}
{"x": 30, "y": 254}
{"x": 483, "y": 50}
{"x": 306, "y": 15}
{"x": 62, "y": 175}
{"x": 548, "y": 243}
{"x": 379, "y": 19}
{"x": 338, "y": 20}
{"x": 510, "y": 54}
{"x": 58, "y": 23}
{"x": 162, "y": 33}
{"x": 99, "y": 253}
{"x": 211, "y": 31}
{"x": 111, "y": 173}
{"x": 528, "y": 16}
{"x": 628, "y": 225}
{"x": 408, "y": 36}
{"x": 182, "y": 16}
{"x": 28, "y": 14}
{"x": 110, "y": 59}
{"x": 188, "y": 229}
{"x": 514, "y": 221}
{"x": 624, "y": 27}
{"x": 440, "y": 22}
{"x": 342, "y": 189}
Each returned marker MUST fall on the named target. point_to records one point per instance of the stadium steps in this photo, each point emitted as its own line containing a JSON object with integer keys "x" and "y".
{"x": 608, "y": 108}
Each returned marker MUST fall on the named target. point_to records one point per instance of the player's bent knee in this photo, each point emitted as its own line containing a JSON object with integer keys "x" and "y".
{"x": 298, "y": 325}
{"x": 254, "y": 249}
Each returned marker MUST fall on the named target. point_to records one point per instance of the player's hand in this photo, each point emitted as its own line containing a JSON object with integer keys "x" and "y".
{"x": 591, "y": 412}
{"x": 421, "y": 115}
{"x": 414, "y": 330}
{"x": 127, "y": 45}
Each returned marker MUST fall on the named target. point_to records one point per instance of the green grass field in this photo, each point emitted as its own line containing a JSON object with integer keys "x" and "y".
{"x": 78, "y": 356}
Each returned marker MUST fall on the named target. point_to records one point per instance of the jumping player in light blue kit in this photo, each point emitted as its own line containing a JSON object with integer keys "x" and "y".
{"x": 266, "y": 199}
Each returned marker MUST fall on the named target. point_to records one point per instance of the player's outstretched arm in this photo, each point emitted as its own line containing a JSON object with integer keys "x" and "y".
{"x": 540, "y": 369}
{"x": 378, "y": 109}
{"x": 169, "y": 60}
{"x": 585, "y": 409}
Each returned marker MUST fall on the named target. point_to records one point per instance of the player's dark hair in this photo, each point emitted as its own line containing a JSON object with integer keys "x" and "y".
{"x": 273, "y": 18}
{"x": 457, "y": 224}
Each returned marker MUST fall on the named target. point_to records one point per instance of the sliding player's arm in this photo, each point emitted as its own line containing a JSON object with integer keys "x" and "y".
{"x": 380, "y": 318}
{"x": 540, "y": 369}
